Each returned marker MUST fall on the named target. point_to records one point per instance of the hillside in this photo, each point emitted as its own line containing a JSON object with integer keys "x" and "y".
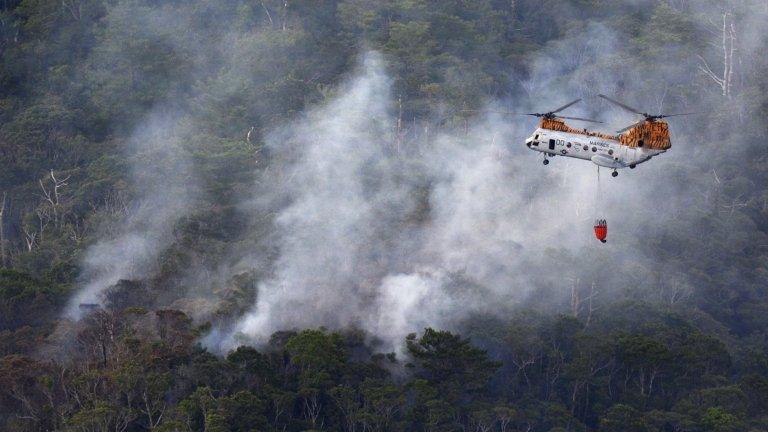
{"x": 231, "y": 215}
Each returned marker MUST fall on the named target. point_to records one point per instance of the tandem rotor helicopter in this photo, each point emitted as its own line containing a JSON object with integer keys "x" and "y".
{"x": 631, "y": 146}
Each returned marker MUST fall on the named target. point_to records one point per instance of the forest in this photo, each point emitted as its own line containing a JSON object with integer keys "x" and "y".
{"x": 319, "y": 215}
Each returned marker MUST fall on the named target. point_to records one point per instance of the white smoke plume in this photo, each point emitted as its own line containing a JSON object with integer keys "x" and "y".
{"x": 328, "y": 231}
{"x": 163, "y": 181}
{"x": 500, "y": 226}
{"x": 391, "y": 231}
{"x": 348, "y": 255}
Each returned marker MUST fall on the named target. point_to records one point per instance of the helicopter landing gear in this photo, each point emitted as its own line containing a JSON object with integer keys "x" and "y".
{"x": 614, "y": 173}
{"x": 632, "y": 166}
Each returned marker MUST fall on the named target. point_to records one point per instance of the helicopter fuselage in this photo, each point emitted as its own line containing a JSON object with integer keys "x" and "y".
{"x": 604, "y": 152}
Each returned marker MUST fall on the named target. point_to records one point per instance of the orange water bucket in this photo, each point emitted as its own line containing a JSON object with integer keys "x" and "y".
{"x": 601, "y": 230}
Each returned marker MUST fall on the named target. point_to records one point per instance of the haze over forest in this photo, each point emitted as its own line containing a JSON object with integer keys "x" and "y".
{"x": 293, "y": 215}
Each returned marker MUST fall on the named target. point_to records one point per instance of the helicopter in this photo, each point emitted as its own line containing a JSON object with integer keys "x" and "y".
{"x": 629, "y": 147}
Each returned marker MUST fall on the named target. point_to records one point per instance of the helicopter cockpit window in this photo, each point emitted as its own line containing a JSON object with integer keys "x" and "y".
{"x": 536, "y": 137}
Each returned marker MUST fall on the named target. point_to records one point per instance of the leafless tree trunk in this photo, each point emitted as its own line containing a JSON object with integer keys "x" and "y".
{"x": 53, "y": 196}
{"x": 590, "y": 307}
{"x": 399, "y": 125}
{"x": 149, "y": 408}
{"x": 577, "y": 303}
{"x": 734, "y": 205}
{"x": 285, "y": 15}
{"x": 30, "y": 237}
{"x": 2, "y": 231}
{"x": 312, "y": 408}
{"x": 575, "y": 299}
{"x": 74, "y": 7}
{"x": 727, "y": 42}
{"x": 269, "y": 15}
{"x": 504, "y": 418}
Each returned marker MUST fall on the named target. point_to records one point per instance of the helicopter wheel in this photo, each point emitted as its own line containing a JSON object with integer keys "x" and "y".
{"x": 546, "y": 161}
{"x": 614, "y": 173}
{"x": 632, "y": 166}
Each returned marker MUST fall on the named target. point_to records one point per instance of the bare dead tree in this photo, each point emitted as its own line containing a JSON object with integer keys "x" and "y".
{"x": 115, "y": 204}
{"x": 504, "y": 416}
{"x": 577, "y": 302}
{"x": 734, "y": 205}
{"x": 312, "y": 407}
{"x": 43, "y": 219}
{"x": 76, "y": 231}
{"x": 399, "y": 125}
{"x": 30, "y": 237}
{"x": 3, "y": 252}
{"x": 74, "y": 7}
{"x": 53, "y": 195}
{"x": 677, "y": 292}
{"x": 575, "y": 298}
{"x": 590, "y": 306}
{"x": 678, "y": 5}
{"x": 269, "y": 15}
{"x": 727, "y": 42}
{"x": 284, "y": 17}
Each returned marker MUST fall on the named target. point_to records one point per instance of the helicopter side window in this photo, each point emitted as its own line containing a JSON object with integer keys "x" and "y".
{"x": 586, "y": 148}
{"x": 551, "y": 144}
{"x": 536, "y": 137}
{"x": 594, "y": 149}
{"x": 568, "y": 145}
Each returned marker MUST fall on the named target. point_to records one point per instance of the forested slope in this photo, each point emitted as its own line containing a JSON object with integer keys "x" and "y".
{"x": 299, "y": 215}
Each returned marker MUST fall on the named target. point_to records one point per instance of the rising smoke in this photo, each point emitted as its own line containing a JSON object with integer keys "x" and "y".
{"x": 500, "y": 226}
{"x": 162, "y": 176}
{"x": 350, "y": 257}
{"x": 392, "y": 231}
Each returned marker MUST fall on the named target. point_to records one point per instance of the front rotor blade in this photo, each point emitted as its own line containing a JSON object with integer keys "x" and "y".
{"x": 580, "y": 119}
{"x": 630, "y": 126}
{"x": 680, "y": 114}
{"x": 626, "y": 107}
{"x": 565, "y": 106}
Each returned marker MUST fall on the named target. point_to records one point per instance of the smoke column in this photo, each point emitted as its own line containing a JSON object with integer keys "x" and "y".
{"x": 163, "y": 184}
{"x": 500, "y": 227}
{"x": 348, "y": 254}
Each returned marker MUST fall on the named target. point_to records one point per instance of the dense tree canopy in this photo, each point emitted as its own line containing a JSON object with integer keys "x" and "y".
{"x": 675, "y": 341}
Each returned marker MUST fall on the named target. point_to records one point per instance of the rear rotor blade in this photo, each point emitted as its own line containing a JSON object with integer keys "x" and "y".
{"x": 626, "y": 107}
{"x": 498, "y": 112}
{"x": 580, "y": 119}
{"x": 565, "y": 106}
{"x": 630, "y": 126}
